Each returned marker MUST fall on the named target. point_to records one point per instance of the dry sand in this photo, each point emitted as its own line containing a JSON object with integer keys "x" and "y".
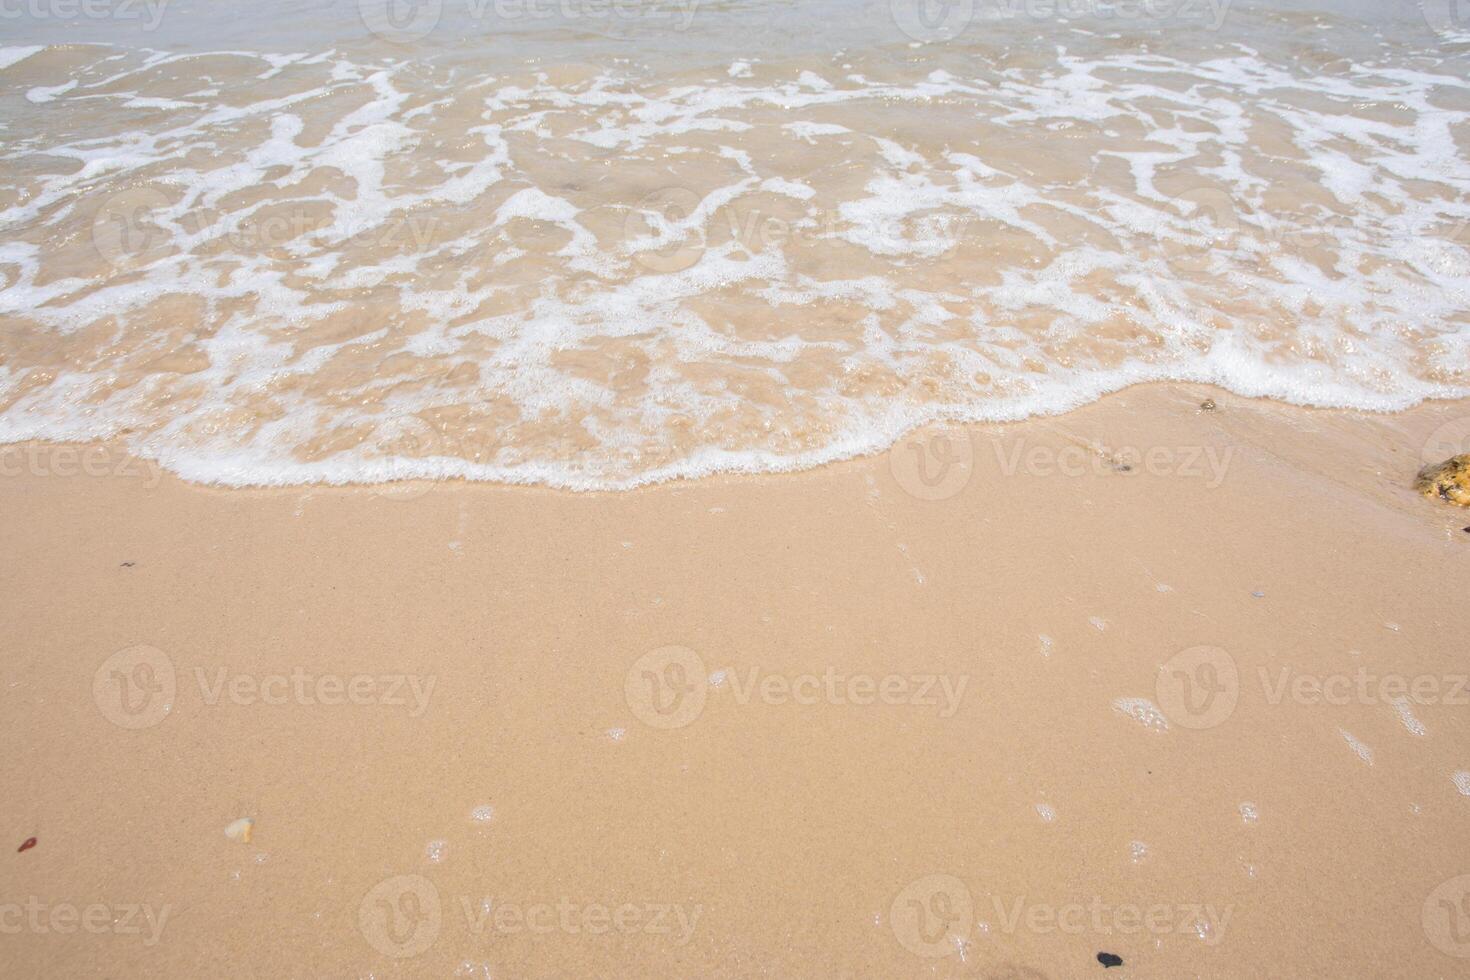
{"x": 914, "y": 763}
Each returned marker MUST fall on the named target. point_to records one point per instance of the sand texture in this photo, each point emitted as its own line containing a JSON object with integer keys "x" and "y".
{"x": 1184, "y": 686}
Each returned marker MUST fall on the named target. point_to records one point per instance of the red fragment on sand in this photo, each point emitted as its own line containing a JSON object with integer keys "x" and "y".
{"x": 30, "y": 843}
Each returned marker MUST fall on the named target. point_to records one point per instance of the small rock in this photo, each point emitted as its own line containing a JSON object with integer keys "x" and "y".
{"x": 1448, "y": 481}
{"x": 241, "y": 830}
{"x": 1109, "y": 959}
{"x": 1208, "y": 405}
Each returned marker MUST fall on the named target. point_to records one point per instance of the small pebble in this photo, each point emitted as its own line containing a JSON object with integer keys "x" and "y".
{"x": 1109, "y": 959}
{"x": 1208, "y": 405}
{"x": 241, "y": 830}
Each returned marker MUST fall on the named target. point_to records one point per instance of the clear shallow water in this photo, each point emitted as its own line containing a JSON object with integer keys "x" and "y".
{"x": 628, "y": 243}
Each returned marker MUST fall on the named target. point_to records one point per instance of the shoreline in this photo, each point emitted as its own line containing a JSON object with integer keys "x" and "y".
{"x": 991, "y": 703}
{"x": 109, "y": 457}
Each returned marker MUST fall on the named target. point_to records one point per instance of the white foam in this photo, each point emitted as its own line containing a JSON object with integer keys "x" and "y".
{"x": 1362, "y": 751}
{"x": 15, "y": 55}
{"x": 1411, "y": 724}
{"x": 49, "y": 93}
{"x": 1379, "y": 326}
{"x": 1143, "y": 711}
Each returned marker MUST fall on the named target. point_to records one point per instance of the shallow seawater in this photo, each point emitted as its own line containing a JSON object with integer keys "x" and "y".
{"x": 594, "y": 244}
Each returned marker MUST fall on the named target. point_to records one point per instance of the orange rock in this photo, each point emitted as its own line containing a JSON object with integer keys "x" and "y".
{"x": 1449, "y": 480}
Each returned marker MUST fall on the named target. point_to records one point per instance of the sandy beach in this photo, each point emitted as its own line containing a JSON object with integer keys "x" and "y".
{"x": 517, "y": 489}
{"x": 1181, "y": 685}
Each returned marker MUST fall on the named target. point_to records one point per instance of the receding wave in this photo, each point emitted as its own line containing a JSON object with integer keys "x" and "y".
{"x": 284, "y": 269}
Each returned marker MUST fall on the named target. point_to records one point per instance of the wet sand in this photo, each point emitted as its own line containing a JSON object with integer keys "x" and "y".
{"x": 979, "y": 707}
